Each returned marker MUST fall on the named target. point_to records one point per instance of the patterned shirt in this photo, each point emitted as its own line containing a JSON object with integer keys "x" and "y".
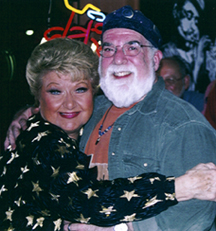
{"x": 47, "y": 179}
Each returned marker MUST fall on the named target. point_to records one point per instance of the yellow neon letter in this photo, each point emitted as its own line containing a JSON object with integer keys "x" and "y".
{"x": 86, "y": 7}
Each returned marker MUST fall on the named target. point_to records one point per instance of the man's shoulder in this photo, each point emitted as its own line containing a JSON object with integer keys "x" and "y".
{"x": 176, "y": 111}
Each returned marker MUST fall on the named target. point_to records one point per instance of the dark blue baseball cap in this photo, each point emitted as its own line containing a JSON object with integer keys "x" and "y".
{"x": 128, "y": 18}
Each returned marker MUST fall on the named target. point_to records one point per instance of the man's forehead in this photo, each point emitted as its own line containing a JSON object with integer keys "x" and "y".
{"x": 172, "y": 64}
{"x": 122, "y": 35}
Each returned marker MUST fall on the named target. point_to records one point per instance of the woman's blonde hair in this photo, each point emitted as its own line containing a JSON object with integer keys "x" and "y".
{"x": 66, "y": 56}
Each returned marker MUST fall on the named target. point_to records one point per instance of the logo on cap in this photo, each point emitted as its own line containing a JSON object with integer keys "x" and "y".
{"x": 127, "y": 13}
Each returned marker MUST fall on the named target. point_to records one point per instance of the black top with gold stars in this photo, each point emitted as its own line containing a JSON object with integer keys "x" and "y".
{"x": 46, "y": 179}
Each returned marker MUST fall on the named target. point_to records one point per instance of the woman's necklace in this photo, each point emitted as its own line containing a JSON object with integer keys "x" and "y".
{"x": 100, "y": 133}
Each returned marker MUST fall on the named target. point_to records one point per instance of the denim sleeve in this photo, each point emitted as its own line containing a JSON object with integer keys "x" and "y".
{"x": 183, "y": 148}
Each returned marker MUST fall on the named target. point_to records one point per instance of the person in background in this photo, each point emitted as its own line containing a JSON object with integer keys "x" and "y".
{"x": 210, "y": 104}
{"x": 177, "y": 76}
{"x": 139, "y": 126}
{"x": 189, "y": 42}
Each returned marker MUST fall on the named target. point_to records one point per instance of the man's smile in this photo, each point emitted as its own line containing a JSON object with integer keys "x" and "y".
{"x": 121, "y": 74}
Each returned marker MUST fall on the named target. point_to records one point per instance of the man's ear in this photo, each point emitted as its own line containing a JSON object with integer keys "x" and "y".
{"x": 158, "y": 55}
{"x": 187, "y": 81}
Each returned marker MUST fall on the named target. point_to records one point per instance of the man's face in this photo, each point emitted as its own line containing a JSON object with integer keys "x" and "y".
{"x": 188, "y": 27}
{"x": 126, "y": 79}
{"x": 173, "y": 79}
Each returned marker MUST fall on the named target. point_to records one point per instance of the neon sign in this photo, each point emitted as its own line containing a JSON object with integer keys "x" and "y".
{"x": 93, "y": 13}
{"x": 85, "y": 8}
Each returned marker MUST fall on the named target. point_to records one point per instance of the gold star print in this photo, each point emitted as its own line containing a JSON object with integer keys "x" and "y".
{"x": 132, "y": 179}
{"x": 9, "y": 148}
{"x": 33, "y": 125}
{"x": 4, "y": 171}
{"x": 130, "y": 218}
{"x": 61, "y": 141}
{"x": 39, "y": 222}
{"x": 36, "y": 188}
{"x": 62, "y": 150}
{"x": 19, "y": 201}
{"x": 3, "y": 189}
{"x": 57, "y": 224}
{"x": 82, "y": 219}
{"x": 37, "y": 162}
{"x": 153, "y": 179}
{"x": 129, "y": 195}
{"x": 13, "y": 156}
{"x": 9, "y": 214}
{"x": 45, "y": 213}
{"x": 90, "y": 193}
{"x": 55, "y": 197}
{"x": 170, "y": 178}
{"x": 16, "y": 185}
{"x": 80, "y": 166}
{"x": 40, "y": 135}
{"x": 70, "y": 201}
{"x": 170, "y": 196}
{"x": 23, "y": 170}
{"x": 151, "y": 202}
{"x": 10, "y": 228}
{"x": 73, "y": 178}
{"x": 30, "y": 220}
{"x": 21, "y": 145}
{"x": 31, "y": 118}
{"x": 108, "y": 210}
{"x": 55, "y": 172}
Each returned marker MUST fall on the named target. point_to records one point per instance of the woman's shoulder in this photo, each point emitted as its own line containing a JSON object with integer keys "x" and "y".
{"x": 42, "y": 135}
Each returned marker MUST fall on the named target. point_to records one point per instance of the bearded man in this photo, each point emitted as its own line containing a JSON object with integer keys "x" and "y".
{"x": 139, "y": 126}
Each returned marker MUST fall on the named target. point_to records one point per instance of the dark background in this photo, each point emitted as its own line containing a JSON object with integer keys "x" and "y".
{"x": 16, "y": 16}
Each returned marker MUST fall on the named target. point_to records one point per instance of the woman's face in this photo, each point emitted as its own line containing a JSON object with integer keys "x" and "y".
{"x": 188, "y": 27}
{"x": 64, "y": 103}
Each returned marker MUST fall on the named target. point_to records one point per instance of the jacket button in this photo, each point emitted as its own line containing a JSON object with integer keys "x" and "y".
{"x": 145, "y": 164}
{"x": 113, "y": 153}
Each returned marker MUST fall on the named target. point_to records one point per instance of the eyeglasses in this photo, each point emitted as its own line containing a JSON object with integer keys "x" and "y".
{"x": 129, "y": 49}
{"x": 172, "y": 81}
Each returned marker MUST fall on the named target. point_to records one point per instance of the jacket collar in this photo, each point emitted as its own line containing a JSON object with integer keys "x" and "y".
{"x": 149, "y": 104}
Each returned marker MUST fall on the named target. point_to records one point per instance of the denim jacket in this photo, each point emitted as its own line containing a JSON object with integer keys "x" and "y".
{"x": 162, "y": 133}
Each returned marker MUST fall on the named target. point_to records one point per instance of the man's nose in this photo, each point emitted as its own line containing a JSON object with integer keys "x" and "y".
{"x": 119, "y": 57}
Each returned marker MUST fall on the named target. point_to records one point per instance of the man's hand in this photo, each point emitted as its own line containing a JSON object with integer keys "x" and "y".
{"x": 198, "y": 183}
{"x": 18, "y": 124}
{"x": 84, "y": 227}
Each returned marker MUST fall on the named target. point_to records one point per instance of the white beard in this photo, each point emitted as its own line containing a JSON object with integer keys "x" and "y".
{"x": 126, "y": 91}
